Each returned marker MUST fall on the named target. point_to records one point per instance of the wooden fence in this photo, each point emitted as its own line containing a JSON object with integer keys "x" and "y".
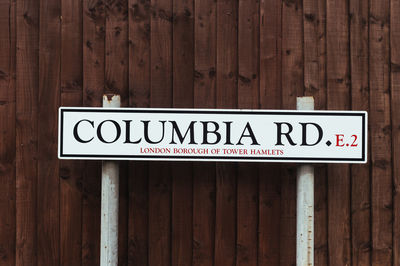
{"x": 196, "y": 53}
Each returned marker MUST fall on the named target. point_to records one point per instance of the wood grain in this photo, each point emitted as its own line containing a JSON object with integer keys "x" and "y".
{"x": 139, "y": 96}
{"x": 27, "y": 84}
{"x": 71, "y": 172}
{"x": 360, "y": 174}
{"x": 395, "y": 101}
{"x": 314, "y": 21}
{"x": 160, "y": 96}
{"x": 7, "y": 133}
{"x": 248, "y": 97}
{"x": 380, "y": 124}
{"x": 182, "y": 172}
{"x": 270, "y": 98}
{"x": 204, "y": 97}
{"x": 93, "y": 88}
{"x": 292, "y": 86}
{"x": 338, "y": 93}
{"x": 226, "y": 97}
{"x": 48, "y": 190}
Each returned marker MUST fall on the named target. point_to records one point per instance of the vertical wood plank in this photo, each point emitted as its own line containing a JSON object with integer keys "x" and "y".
{"x": 360, "y": 176}
{"x": 160, "y": 96}
{"x": 7, "y": 133}
{"x": 203, "y": 213}
{"x": 395, "y": 102}
{"x": 139, "y": 96}
{"x": 26, "y": 130}
{"x": 247, "y": 215}
{"x": 379, "y": 81}
{"x": 138, "y": 213}
{"x": 182, "y": 180}
{"x": 270, "y": 98}
{"x": 248, "y": 97}
{"x": 204, "y": 96}
{"x": 314, "y": 21}
{"x": 116, "y": 82}
{"x": 226, "y": 97}
{"x": 292, "y": 52}
{"x": 71, "y": 171}
{"x": 48, "y": 205}
{"x": 93, "y": 87}
{"x": 183, "y": 50}
{"x": 139, "y": 53}
{"x": 338, "y": 83}
{"x": 159, "y": 213}
{"x": 182, "y": 206}
{"x": 292, "y": 86}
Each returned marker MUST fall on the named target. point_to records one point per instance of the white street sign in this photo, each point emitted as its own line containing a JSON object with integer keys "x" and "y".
{"x": 212, "y": 135}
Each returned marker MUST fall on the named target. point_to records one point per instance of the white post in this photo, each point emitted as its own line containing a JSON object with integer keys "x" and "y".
{"x": 109, "y": 202}
{"x": 305, "y": 203}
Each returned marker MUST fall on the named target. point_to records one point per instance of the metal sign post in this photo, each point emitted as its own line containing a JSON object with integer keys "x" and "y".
{"x": 109, "y": 202}
{"x": 305, "y": 203}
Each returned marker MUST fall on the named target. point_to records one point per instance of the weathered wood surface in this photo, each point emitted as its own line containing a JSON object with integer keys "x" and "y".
{"x": 202, "y": 54}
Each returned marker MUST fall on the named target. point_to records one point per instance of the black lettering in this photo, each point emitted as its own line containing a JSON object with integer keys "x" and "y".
{"x": 280, "y": 133}
{"x": 76, "y": 135}
{"x": 175, "y": 129}
{"x": 146, "y": 131}
{"x": 128, "y": 133}
{"x": 206, "y": 132}
{"x": 117, "y": 127}
{"x": 228, "y": 133}
{"x": 251, "y": 135}
{"x": 304, "y": 130}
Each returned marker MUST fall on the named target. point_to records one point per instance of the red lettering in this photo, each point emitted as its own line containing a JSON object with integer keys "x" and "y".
{"x": 339, "y": 140}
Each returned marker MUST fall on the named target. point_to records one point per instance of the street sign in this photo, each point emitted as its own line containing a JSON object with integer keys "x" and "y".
{"x": 212, "y": 135}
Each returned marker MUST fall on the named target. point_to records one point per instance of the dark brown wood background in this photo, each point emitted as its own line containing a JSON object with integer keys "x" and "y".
{"x": 196, "y": 53}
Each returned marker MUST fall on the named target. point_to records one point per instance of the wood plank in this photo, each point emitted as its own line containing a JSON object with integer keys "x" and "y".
{"x": 395, "y": 101}
{"x": 161, "y": 53}
{"x": 93, "y": 86}
{"x": 314, "y": 21}
{"x": 26, "y": 131}
{"x": 288, "y": 216}
{"x": 203, "y": 213}
{"x": 71, "y": 172}
{"x": 182, "y": 206}
{"x": 292, "y": 52}
{"x": 7, "y": 133}
{"x": 139, "y": 53}
{"x": 247, "y": 215}
{"x": 292, "y": 86}
{"x": 183, "y": 50}
{"x": 379, "y": 82}
{"x": 204, "y": 96}
{"x": 269, "y": 215}
{"x": 339, "y": 241}
{"x": 159, "y": 213}
{"x": 270, "y": 98}
{"x": 248, "y": 54}
{"x": 138, "y": 213}
{"x": 248, "y": 97}
{"x": 225, "y": 224}
{"x": 116, "y": 82}
{"x": 48, "y": 193}
{"x": 182, "y": 173}
{"x": 226, "y": 97}
{"x": 139, "y": 96}
{"x": 360, "y": 174}
{"x": 160, "y": 96}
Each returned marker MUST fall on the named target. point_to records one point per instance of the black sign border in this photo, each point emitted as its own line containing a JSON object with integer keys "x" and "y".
{"x": 207, "y": 111}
